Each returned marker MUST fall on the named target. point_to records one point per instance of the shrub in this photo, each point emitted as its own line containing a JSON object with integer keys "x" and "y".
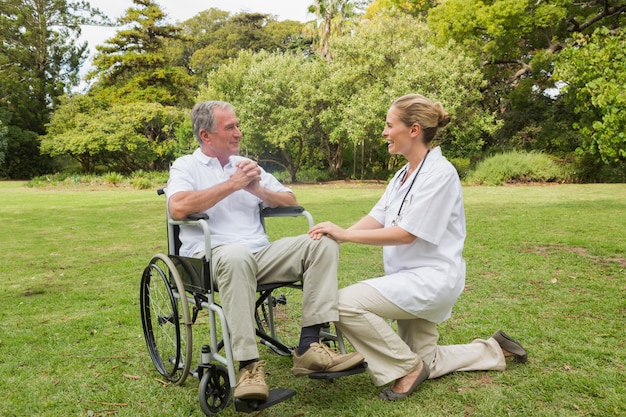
{"x": 113, "y": 178}
{"x": 516, "y": 167}
{"x": 462, "y": 166}
{"x": 282, "y": 176}
{"x": 313, "y": 175}
{"x": 304, "y": 175}
{"x": 159, "y": 177}
{"x": 141, "y": 183}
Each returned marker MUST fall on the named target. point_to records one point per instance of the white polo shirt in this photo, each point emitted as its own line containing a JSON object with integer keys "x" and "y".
{"x": 426, "y": 277}
{"x": 235, "y": 219}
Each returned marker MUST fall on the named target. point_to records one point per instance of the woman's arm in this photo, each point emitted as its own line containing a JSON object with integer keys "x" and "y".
{"x": 366, "y": 223}
{"x": 368, "y": 231}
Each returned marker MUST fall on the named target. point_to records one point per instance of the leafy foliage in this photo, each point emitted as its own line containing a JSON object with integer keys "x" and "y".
{"x": 213, "y": 37}
{"x": 278, "y": 111}
{"x": 133, "y": 65}
{"x": 39, "y": 62}
{"x": 416, "y": 8}
{"x": 595, "y": 77}
{"x": 518, "y": 44}
{"x": 3, "y": 142}
{"x": 333, "y": 107}
{"x": 332, "y": 18}
{"x": 496, "y": 65}
{"x": 123, "y": 137}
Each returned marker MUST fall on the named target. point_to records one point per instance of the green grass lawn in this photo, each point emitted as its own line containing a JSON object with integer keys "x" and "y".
{"x": 545, "y": 263}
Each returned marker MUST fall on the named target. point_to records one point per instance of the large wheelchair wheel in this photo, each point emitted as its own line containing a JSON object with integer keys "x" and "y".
{"x": 214, "y": 392}
{"x": 166, "y": 319}
{"x": 279, "y": 330}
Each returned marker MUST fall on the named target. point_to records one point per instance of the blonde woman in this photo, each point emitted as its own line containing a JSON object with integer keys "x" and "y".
{"x": 420, "y": 222}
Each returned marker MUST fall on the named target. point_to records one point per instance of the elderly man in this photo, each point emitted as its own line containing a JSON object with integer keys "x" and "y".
{"x": 230, "y": 189}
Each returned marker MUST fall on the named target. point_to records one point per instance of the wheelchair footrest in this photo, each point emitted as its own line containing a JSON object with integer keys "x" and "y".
{"x": 359, "y": 369}
{"x": 276, "y": 396}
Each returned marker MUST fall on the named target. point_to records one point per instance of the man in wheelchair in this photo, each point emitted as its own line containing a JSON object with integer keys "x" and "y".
{"x": 231, "y": 189}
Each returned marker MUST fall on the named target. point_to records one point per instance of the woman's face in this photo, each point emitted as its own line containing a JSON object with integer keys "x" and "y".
{"x": 400, "y": 138}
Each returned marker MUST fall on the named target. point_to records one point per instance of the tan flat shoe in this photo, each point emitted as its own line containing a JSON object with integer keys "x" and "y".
{"x": 390, "y": 395}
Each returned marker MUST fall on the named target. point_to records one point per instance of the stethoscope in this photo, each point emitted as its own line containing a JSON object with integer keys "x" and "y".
{"x": 400, "y": 178}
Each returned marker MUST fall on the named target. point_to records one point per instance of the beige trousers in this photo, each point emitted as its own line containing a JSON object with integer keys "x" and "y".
{"x": 237, "y": 271}
{"x": 363, "y": 319}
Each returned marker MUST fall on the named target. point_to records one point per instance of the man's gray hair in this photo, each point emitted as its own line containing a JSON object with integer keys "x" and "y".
{"x": 203, "y": 117}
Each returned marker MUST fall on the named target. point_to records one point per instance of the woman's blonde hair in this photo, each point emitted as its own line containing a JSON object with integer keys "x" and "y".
{"x": 415, "y": 108}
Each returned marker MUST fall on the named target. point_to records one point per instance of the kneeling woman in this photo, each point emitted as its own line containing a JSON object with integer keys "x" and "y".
{"x": 420, "y": 221}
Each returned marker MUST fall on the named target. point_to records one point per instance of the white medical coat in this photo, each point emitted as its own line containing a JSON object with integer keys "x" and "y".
{"x": 425, "y": 277}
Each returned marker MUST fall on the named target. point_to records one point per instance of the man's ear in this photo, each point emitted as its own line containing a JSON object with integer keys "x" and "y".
{"x": 205, "y": 136}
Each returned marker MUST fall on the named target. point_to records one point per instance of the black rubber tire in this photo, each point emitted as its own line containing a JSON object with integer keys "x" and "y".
{"x": 214, "y": 392}
{"x": 166, "y": 319}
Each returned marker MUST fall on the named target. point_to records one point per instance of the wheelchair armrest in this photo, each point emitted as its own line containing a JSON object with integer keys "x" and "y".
{"x": 197, "y": 216}
{"x": 286, "y": 211}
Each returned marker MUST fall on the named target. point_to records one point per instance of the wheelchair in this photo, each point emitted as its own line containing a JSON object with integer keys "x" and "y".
{"x": 175, "y": 289}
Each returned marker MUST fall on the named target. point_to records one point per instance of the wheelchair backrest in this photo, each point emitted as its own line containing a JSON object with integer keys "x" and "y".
{"x": 173, "y": 231}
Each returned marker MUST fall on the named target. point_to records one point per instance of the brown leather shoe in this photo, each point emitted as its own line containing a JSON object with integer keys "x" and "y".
{"x": 511, "y": 345}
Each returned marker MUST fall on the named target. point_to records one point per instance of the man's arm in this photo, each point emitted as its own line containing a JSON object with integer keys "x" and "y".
{"x": 247, "y": 177}
{"x": 272, "y": 198}
{"x": 184, "y": 203}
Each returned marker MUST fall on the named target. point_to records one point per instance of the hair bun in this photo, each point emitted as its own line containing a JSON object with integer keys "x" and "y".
{"x": 444, "y": 117}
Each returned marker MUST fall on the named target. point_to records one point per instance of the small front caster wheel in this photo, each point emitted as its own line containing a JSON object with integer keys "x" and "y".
{"x": 214, "y": 391}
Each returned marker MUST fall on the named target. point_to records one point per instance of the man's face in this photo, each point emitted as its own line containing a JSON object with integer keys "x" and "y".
{"x": 224, "y": 142}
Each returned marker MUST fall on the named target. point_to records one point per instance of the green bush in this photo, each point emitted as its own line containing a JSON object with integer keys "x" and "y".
{"x": 304, "y": 175}
{"x": 44, "y": 180}
{"x": 158, "y": 177}
{"x": 114, "y": 178}
{"x": 141, "y": 183}
{"x": 140, "y": 180}
{"x": 282, "y": 176}
{"x": 516, "y": 167}
{"x": 313, "y": 175}
{"x": 462, "y": 166}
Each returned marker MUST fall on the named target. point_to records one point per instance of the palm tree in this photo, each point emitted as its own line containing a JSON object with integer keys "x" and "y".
{"x": 331, "y": 19}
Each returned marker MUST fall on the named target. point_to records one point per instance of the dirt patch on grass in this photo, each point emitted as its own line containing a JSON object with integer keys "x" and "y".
{"x": 583, "y": 252}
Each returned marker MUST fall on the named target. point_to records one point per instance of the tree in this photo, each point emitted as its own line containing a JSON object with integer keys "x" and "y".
{"x": 39, "y": 62}
{"x": 390, "y": 57}
{"x": 332, "y": 18}
{"x": 132, "y": 66}
{"x": 277, "y": 111}
{"x": 121, "y": 137}
{"x": 197, "y": 33}
{"x": 213, "y": 37}
{"x": 3, "y": 142}
{"x": 331, "y": 108}
{"x": 594, "y": 75}
{"x": 414, "y": 8}
{"x": 515, "y": 35}
{"x": 518, "y": 44}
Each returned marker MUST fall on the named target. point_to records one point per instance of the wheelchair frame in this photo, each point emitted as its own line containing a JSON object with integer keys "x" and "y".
{"x": 171, "y": 283}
